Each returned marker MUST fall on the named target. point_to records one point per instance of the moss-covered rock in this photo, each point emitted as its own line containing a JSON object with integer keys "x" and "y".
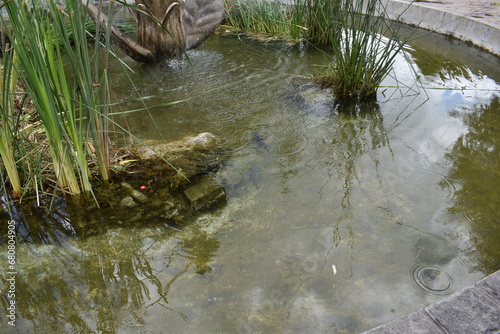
{"x": 168, "y": 183}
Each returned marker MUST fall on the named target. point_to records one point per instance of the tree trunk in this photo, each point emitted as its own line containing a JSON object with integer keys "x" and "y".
{"x": 160, "y": 28}
{"x": 165, "y": 28}
{"x": 133, "y": 49}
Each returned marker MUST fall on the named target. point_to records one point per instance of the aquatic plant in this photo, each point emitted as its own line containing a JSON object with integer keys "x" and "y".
{"x": 321, "y": 19}
{"x": 361, "y": 54}
{"x": 7, "y": 151}
{"x": 66, "y": 84}
{"x": 264, "y": 17}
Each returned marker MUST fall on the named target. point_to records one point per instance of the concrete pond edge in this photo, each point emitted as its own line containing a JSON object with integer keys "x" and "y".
{"x": 475, "y": 309}
{"x": 463, "y": 27}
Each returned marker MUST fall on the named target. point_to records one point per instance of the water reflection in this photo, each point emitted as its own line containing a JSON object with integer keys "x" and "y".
{"x": 475, "y": 181}
{"x": 105, "y": 283}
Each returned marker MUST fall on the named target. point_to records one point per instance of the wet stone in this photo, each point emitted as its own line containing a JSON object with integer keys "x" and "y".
{"x": 491, "y": 285}
{"x": 128, "y": 202}
{"x": 205, "y": 194}
{"x": 149, "y": 192}
{"x": 313, "y": 98}
{"x": 136, "y": 194}
{"x": 171, "y": 210}
{"x": 415, "y": 323}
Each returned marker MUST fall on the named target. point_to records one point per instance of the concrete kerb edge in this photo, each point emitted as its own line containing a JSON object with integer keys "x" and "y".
{"x": 426, "y": 322}
{"x": 462, "y": 27}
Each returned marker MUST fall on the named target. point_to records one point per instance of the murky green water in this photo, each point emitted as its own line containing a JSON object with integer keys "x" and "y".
{"x": 335, "y": 223}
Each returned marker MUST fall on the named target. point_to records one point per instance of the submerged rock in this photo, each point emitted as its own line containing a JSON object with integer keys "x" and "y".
{"x": 205, "y": 193}
{"x": 182, "y": 159}
{"x": 313, "y": 98}
{"x": 136, "y": 194}
{"x": 128, "y": 202}
{"x": 172, "y": 181}
{"x": 171, "y": 211}
{"x": 204, "y": 141}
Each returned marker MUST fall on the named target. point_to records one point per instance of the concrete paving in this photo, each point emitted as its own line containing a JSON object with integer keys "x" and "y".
{"x": 473, "y": 310}
{"x": 474, "y": 21}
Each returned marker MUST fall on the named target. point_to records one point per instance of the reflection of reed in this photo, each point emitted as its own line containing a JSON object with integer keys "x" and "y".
{"x": 38, "y": 224}
{"x": 89, "y": 285}
{"x": 476, "y": 162}
{"x": 362, "y": 132}
{"x": 358, "y": 135}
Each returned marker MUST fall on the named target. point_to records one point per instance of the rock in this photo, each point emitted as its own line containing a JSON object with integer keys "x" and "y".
{"x": 128, "y": 202}
{"x": 313, "y": 98}
{"x": 205, "y": 193}
{"x": 171, "y": 211}
{"x": 148, "y": 192}
{"x": 201, "y": 142}
{"x": 136, "y": 194}
{"x": 181, "y": 160}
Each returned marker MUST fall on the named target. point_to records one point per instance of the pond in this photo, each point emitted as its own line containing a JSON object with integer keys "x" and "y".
{"x": 338, "y": 219}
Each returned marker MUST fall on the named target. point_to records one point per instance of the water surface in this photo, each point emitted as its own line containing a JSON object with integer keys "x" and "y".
{"x": 336, "y": 221}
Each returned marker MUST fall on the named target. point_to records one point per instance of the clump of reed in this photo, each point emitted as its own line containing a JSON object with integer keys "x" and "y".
{"x": 321, "y": 19}
{"x": 48, "y": 53}
{"x": 264, "y": 17}
{"x": 359, "y": 56}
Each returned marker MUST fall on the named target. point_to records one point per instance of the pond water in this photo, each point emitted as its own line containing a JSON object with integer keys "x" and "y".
{"x": 337, "y": 220}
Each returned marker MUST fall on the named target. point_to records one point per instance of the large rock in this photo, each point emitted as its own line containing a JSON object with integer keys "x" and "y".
{"x": 149, "y": 192}
{"x": 205, "y": 193}
{"x": 182, "y": 159}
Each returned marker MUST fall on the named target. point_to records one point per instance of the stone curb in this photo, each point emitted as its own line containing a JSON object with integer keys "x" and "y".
{"x": 462, "y": 27}
{"x": 475, "y": 309}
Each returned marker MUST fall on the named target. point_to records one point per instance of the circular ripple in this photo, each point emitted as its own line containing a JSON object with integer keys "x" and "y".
{"x": 432, "y": 279}
{"x": 306, "y": 323}
{"x": 290, "y": 145}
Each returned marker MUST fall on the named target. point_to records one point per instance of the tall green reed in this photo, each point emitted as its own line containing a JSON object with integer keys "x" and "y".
{"x": 361, "y": 56}
{"x": 72, "y": 104}
{"x": 321, "y": 18}
{"x": 8, "y": 128}
{"x": 264, "y": 17}
{"x": 361, "y": 42}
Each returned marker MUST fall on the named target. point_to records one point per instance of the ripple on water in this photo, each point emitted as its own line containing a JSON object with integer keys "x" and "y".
{"x": 291, "y": 146}
{"x": 306, "y": 324}
{"x": 431, "y": 279}
{"x": 289, "y": 143}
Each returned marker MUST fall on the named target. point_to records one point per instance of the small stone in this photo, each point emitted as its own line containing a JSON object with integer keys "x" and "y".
{"x": 136, "y": 194}
{"x": 170, "y": 210}
{"x": 128, "y": 202}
